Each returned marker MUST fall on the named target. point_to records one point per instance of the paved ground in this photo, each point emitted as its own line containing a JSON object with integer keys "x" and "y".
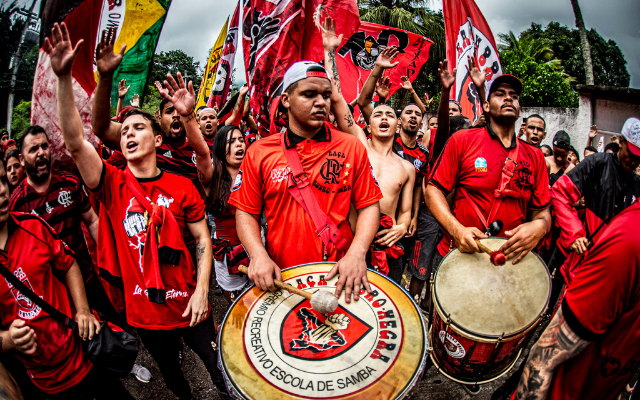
{"x": 433, "y": 385}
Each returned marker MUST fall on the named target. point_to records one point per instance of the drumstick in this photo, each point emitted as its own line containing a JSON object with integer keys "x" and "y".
{"x": 496, "y": 257}
{"x": 321, "y": 300}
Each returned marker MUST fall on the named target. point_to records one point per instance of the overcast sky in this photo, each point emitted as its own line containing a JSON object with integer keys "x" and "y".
{"x": 193, "y": 25}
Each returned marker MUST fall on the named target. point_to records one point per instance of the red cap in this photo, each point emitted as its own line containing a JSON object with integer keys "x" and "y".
{"x": 8, "y": 144}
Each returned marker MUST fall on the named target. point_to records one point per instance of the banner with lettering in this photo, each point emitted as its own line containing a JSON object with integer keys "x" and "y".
{"x": 224, "y": 75}
{"x": 211, "y": 68}
{"x": 357, "y": 57}
{"x": 139, "y": 25}
{"x": 468, "y": 34}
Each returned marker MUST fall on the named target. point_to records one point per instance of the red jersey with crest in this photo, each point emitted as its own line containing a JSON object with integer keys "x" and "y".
{"x": 40, "y": 260}
{"x": 127, "y": 218}
{"x": 339, "y": 173}
{"x": 61, "y": 206}
{"x": 418, "y": 156}
{"x": 473, "y": 159}
{"x": 180, "y": 160}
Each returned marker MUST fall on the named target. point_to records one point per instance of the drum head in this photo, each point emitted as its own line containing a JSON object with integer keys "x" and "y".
{"x": 274, "y": 345}
{"x": 489, "y": 300}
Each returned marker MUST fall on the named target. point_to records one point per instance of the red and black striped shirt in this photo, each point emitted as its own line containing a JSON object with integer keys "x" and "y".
{"x": 179, "y": 160}
{"x": 61, "y": 206}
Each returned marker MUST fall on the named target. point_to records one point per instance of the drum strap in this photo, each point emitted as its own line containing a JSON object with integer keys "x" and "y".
{"x": 301, "y": 191}
{"x": 501, "y": 192}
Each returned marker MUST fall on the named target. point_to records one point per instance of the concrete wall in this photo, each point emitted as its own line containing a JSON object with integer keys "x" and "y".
{"x": 569, "y": 119}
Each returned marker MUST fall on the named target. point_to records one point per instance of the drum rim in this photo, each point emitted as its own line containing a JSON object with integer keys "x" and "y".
{"x": 411, "y": 383}
{"x": 505, "y": 335}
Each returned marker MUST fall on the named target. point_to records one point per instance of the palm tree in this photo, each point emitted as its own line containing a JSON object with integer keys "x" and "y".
{"x": 529, "y": 47}
{"x": 584, "y": 41}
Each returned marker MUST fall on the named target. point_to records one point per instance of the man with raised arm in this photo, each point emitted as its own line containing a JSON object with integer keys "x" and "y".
{"x": 395, "y": 175}
{"x": 334, "y": 167}
{"x": 143, "y": 252}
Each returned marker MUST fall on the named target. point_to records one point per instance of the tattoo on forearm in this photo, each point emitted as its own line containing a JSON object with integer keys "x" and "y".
{"x": 349, "y": 118}
{"x": 334, "y": 69}
{"x": 199, "y": 257}
{"x": 189, "y": 118}
{"x": 556, "y": 345}
{"x": 368, "y": 97}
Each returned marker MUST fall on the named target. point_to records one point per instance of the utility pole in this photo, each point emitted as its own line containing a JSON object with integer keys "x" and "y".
{"x": 27, "y": 39}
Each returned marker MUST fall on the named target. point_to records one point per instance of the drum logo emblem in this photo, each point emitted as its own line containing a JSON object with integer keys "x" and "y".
{"x": 451, "y": 345}
{"x": 309, "y": 335}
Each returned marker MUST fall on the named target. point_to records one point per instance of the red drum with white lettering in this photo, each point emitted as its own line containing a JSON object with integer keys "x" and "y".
{"x": 275, "y": 345}
{"x": 484, "y": 314}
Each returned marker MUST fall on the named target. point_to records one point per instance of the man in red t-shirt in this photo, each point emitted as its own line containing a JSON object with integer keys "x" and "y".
{"x": 339, "y": 173}
{"x": 208, "y": 122}
{"x": 51, "y": 352}
{"x": 590, "y": 350}
{"x": 473, "y": 162}
{"x": 142, "y": 216}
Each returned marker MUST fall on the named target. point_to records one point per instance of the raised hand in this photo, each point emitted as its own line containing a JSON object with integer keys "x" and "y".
{"x": 244, "y": 90}
{"x": 123, "y": 89}
{"x": 427, "y": 100}
{"x": 406, "y": 83}
{"x": 135, "y": 102}
{"x": 106, "y": 60}
{"x": 478, "y": 77}
{"x": 183, "y": 98}
{"x": 383, "y": 87}
{"x": 61, "y": 51}
{"x": 330, "y": 40}
{"x": 446, "y": 78}
{"x": 386, "y": 57}
{"x": 593, "y": 131}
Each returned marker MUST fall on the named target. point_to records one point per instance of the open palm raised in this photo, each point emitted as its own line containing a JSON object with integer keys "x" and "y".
{"x": 61, "y": 51}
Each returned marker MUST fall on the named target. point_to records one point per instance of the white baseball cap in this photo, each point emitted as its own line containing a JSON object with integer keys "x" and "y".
{"x": 631, "y": 132}
{"x": 302, "y": 70}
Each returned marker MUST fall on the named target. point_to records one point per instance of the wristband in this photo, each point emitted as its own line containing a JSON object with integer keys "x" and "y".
{"x": 189, "y": 116}
{"x": 121, "y": 97}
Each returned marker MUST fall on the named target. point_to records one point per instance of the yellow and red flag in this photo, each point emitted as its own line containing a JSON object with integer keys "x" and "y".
{"x": 211, "y": 68}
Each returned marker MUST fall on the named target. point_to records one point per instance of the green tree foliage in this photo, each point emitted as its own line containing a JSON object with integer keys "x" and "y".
{"x": 527, "y": 46}
{"x": 21, "y": 117}
{"x": 543, "y": 85}
{"x": 170, "y": 62}
{"x": 413, "y": 16}
{"x": 609, "y": 64}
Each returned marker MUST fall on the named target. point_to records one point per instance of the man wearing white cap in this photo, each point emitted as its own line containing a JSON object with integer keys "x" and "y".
{"x": 609, "y": 185}
{"x": 305, "y": 179}
{"x": 208, "y": 122}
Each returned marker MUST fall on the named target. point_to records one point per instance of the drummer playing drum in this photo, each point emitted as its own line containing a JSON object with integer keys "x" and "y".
{"x": 496, "y": 177}
{"x": 333, "y": 172}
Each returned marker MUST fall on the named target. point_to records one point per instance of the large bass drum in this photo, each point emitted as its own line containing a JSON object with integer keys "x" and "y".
{"x": 274, "y": 345}
{"x": 484, "y": 314}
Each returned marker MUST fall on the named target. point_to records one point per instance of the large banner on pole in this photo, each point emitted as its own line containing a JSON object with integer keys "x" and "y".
{"x": 211, "y": 68}
{"x": 468, "y": 34}
{"x": 357, "y": 57}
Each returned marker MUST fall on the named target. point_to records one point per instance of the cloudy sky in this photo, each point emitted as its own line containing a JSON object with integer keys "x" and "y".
{"x": 193, "y": 25}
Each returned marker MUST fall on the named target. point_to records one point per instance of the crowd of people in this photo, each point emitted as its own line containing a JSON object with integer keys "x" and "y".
{"x": 172, "y": 202}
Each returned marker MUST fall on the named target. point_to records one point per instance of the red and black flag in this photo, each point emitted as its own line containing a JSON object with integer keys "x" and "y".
{"x": 357, "y": 56}
{"x": 468, "y": 34}
{"x": 275, "y": 35}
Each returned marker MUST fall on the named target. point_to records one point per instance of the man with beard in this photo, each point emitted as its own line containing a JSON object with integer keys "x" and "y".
{"x": 464, "y": 165}
{"x": 208, "y": 121}
{"x": 534, "y": 129}
{"x": 15, "y": 170}
{"x": 143, "y": 211}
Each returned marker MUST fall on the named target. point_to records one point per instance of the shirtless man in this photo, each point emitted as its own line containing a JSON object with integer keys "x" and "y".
{"x": 395, "y": 176}
{"x": 558, "y": 163}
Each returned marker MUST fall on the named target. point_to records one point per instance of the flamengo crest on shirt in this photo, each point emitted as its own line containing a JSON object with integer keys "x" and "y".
{"x": 27, "y": 309}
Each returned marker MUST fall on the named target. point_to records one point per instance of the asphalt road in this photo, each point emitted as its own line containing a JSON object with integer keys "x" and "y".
{"x": 432, "y": 386}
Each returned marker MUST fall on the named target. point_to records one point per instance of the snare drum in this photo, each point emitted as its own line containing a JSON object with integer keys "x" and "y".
{"x": 274, "y": 345}
{"x": 484, "y": 314}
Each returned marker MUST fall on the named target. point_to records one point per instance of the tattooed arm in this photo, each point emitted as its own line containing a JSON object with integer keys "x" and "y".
{"x": 344, "y": 119}
{"x": 557, "y": 344}
{"x": 384, "y": 61}
{"x": 198, "y": 304}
